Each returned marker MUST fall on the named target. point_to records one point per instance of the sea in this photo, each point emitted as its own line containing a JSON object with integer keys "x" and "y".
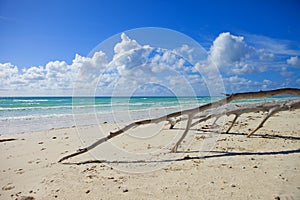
{"x": 30, "y": 114}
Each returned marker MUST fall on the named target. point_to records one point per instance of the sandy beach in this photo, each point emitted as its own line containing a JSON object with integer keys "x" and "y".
{"x": 138, "y": 100}
{"x": 265, "y": 166}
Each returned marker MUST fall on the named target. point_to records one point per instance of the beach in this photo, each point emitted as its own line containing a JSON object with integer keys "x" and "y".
{"x": 265, "y": 166}
{"x": 158, "y": 100}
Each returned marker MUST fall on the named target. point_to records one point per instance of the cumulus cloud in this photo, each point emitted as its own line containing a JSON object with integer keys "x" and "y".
{"x": 129, "y": 61}
{"x": 236, "y": 83}
{"x": 126, "y": 44}
{"x": 34, "y": 73}
{"x": 88, "y": 68}
{"x": 227, "y": 49}
{"x": 189, "y": 53}
{"x": 7, "y": 72}
{"x": 129, "y": 57}
{"x": 56, "y": 69}
{"x": 182, "y": 70}
{"x": 9, "y": 78}
{"x": 235, "y": 80}
{"x": 55, "y": 77}
{"x": 294, "y": 61}
{"x": 243, "y": 68}
{"x": 137, "y": 65}
{"x": 233, "y": 56}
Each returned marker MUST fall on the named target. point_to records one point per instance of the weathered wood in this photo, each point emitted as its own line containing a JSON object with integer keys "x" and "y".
{"x": 191, "y": 113}
{"x": 272, "y": 108}
{"x": 233, "y": 121}
{"x": 292, "y": 105}
{"x": 188, "y": 126}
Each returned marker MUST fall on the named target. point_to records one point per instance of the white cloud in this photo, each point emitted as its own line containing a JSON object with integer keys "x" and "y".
{"x": 129, "y": 57}
{"x": 10, "y": 80}
{"x": 267, "y": 83}
{"x": 243, "y": 68}
{"x": 134, "y": 65}
{"x": 188, "y": 53}
{"x": 274, "y": 46}
{"x": 126, "y": 44}
{"x": 129, "y": 61}
{"x": 285, "y": 72}
{"x": 234, "y": 56}
{"x": 59, "y": 75}
{"x": 294, "y": 61}
{"x": 88, "y": 68}
{"x": 228, "y": 49}
{"x": 7, "y": 70}
{"x": 56, "y": 69}
{"x": 235, "y": 80}
{"x": 236, "y": 83}
{"x": 265, "y": 55}
{"x": 56, "y": 77}
{"x": 244, "y": 84}
{"x": 34, "y": 74}
{"x": 138, "y": 65}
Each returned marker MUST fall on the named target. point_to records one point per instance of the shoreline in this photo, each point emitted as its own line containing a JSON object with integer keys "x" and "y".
{"x": 264, "y": 166}
{"x": 44, "y": 118}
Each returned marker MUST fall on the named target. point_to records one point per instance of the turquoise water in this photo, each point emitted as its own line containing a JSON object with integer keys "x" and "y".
{"x": 22, "y": 114}
{"x": 22, "y": 107}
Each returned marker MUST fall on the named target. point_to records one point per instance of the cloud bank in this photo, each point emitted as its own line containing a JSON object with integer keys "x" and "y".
{"x": 139, "y": 69}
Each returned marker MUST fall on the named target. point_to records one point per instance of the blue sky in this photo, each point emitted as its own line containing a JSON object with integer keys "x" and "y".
{"x": 34, "y": 33}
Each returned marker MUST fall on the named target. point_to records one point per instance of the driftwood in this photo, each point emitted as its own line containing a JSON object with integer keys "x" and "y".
{"x": 212, "y": 110}
{"x": 272, "y": 107}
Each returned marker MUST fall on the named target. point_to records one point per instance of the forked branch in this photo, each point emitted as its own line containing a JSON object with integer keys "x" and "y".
{"x": 206, "y": 112}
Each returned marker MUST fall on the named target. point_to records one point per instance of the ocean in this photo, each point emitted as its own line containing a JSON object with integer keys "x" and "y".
{"x": 27, "y": 114}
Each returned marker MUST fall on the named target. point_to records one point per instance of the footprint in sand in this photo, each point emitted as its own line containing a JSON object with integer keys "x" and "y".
{"x": 26, "y": 198}
{"x": 20, "y": 171}
{"x": 9, "y": 186}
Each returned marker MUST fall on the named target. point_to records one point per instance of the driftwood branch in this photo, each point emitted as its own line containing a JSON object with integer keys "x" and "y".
{"x": 237, "y": 110}
{"x": 206, "y": 112}
{"x": 187, "y": 128}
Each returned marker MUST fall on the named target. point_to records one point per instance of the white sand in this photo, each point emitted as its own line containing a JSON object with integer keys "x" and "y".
{"x": 262, "y": 167}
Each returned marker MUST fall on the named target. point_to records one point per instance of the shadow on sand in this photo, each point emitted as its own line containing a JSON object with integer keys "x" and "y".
{"x": 214, "y": 154}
